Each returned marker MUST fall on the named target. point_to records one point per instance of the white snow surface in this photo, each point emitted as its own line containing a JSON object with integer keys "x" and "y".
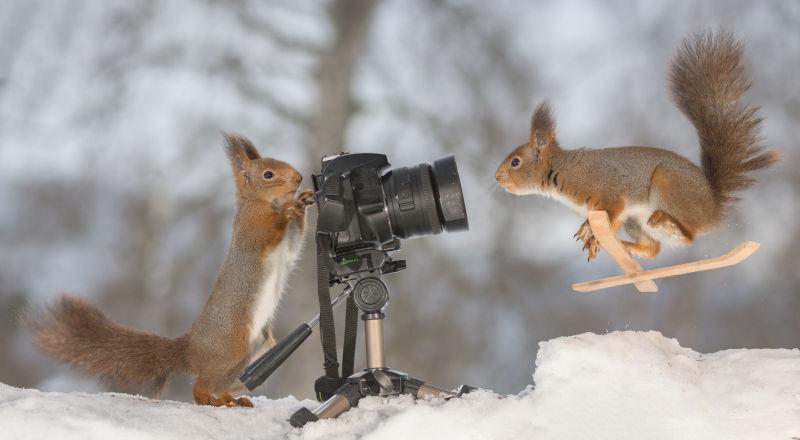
{"x": 621, "y": 385}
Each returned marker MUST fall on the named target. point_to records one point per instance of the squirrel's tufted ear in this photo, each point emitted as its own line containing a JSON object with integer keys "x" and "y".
{"x": 240, "y": 151}
{"x": 543, "y": 127}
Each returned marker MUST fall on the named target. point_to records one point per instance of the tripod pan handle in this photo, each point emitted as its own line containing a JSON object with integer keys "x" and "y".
{"x": 263, "y": 367}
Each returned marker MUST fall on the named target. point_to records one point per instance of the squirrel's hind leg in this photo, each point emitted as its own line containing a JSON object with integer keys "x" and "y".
{"x": 682, "y": 204}
{"x": 645, "y": 246}
{"x": 671, "y": 228}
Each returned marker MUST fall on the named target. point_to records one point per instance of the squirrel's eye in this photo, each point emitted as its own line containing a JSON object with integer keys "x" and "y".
{"x": 268, "y": 174}
{"x": 515, "y": 162}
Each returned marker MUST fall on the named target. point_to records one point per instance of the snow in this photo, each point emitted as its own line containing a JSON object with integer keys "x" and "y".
{"x": 621, "y": 385}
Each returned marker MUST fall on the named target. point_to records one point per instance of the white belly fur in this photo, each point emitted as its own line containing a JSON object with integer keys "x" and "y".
{"x": 277, "y": 267}
{"x": 640, "y": 212}
{"x": 555, "y": 195}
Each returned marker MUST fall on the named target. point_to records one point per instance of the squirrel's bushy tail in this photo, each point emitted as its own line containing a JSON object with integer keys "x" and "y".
{"x": 707, "y": 80}
{"x": 76, "y": 332}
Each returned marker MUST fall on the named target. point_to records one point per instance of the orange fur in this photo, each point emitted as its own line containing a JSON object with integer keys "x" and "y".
{"x": 651, "y": 191}
{"x": 219, "y": 343}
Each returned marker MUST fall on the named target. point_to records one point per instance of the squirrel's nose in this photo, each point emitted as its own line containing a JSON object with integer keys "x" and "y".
{"x": 500, "y": 175}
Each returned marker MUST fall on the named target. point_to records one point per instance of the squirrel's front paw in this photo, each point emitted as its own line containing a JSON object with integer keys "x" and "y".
{"x": 592, "y": 247}
{"x": 306, "y": 198}
{"x": 297, "y": 208}
{"x": 584, "y": 232}
{"x": 590, "y": 243}
{"x": 295, "y": 211}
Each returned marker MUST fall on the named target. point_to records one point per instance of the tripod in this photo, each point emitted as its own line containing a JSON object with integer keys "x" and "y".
{"x": 371, "y": 296}
{"x": 366, "y": 292}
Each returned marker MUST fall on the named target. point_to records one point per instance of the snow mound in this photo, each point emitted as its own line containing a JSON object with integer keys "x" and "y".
{"x": 622, "y": 385}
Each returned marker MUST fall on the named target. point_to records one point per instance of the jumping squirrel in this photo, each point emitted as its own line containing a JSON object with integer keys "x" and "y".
{"x": 233, "y": 328}
{"x": 656, "y": 194}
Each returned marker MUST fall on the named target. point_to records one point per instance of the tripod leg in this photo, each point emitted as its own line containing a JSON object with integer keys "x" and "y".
{"x": 346, "y": 397}
{"x": 332, "y": 407}
{"x": 421, "y": 390}
{"x": 430, "y": 391}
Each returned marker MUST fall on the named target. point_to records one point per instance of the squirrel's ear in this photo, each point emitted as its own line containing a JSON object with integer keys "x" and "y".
{"x": 543, "y": 126}
{"x": 240, "y": 151}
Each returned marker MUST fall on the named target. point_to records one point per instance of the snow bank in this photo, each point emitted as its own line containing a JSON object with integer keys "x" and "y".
{"x": 623, "y": 385}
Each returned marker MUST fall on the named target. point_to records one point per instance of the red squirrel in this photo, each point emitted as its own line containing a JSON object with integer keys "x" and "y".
{"x": 234, "y": 326}
{"x": 653, "y": 193}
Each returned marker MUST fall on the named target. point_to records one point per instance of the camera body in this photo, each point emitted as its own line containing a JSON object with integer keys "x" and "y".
{"x": 366, "y": 208}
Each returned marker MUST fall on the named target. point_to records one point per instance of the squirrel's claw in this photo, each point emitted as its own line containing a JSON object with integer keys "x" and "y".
{"x": 591, "y": 246}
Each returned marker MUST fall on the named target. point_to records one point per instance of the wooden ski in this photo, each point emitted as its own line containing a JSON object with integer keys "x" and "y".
{"x": 643, "y": 279}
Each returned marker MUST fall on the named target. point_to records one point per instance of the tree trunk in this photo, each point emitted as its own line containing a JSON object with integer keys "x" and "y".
{"x": 350, "y": 20}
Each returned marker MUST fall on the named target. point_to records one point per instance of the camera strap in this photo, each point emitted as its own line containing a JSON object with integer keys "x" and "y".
{"x": 326, "y": 385}
{"x": 350, "y": 334}
{"x": 327, "y": 330}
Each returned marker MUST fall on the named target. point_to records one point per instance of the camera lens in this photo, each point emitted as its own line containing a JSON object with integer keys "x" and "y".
{"x": 425, "y": 199}
{"x": 449, "y": 197}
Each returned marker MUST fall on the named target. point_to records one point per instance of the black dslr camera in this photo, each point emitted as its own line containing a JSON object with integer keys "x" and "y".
{"x": 366, "y": 208}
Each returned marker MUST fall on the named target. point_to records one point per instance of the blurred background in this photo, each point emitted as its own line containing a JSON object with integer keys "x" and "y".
{"x": 114, "y": 185}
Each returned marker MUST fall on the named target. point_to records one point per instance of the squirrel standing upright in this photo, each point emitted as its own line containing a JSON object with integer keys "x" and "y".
{"x": 653, "y": 193}
{"x": 234, "y": 326}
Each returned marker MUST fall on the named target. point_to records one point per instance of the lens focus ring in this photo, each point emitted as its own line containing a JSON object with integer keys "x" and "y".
{"x": 429, "y": 199}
